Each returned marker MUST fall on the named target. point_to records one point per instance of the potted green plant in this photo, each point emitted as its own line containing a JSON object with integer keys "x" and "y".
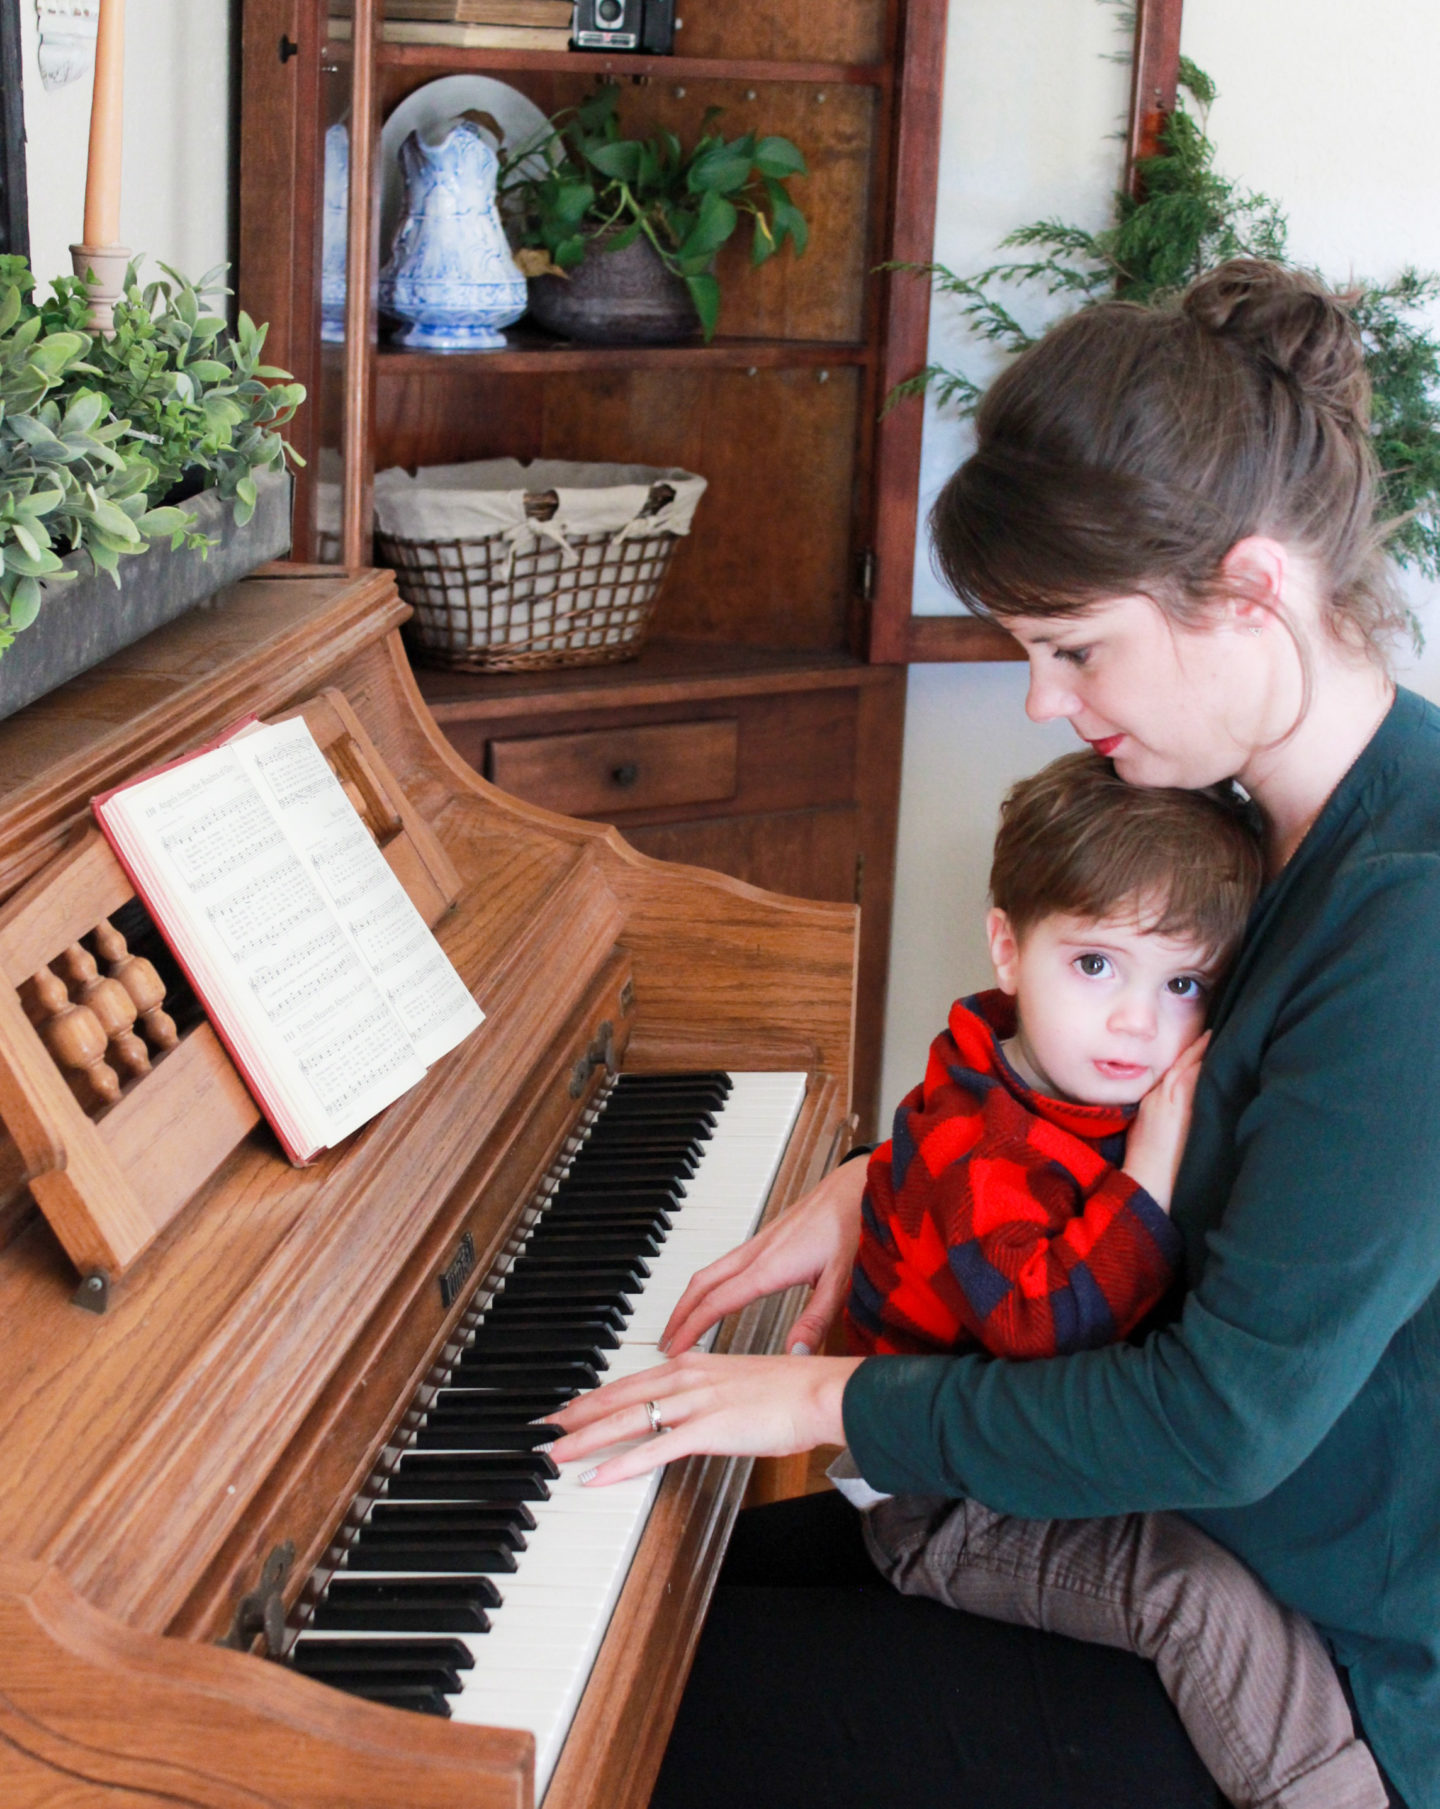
{"x": 101, "y": 443}
{"x": 619, "y": 236}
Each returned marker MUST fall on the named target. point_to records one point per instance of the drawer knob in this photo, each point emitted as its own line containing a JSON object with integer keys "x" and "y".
{"x": 625, "y": 774}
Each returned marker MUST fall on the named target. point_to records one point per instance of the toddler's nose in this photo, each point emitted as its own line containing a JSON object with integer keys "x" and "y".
{"x": 1134, "y": 1014}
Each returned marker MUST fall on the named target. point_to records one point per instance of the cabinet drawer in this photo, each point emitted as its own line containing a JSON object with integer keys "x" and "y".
{"x": 601, "y": 771}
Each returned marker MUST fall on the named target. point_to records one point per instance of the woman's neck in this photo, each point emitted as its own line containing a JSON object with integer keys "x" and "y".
{"x": 1292, "y": 779}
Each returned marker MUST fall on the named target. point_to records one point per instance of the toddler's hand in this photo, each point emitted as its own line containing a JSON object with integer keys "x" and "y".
{"x": 1157, "y": 1137}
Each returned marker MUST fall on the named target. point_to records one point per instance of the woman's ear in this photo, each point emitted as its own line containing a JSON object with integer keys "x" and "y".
{"x": 1004, "y": 950}
{"x": 1255, "y": 575}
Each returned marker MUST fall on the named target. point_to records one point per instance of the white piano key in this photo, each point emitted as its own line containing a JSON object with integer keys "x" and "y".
{"x": 531, "y": 1669}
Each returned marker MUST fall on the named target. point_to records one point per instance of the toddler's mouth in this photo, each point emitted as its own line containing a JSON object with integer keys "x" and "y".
{"x": 1121, "y": 1070}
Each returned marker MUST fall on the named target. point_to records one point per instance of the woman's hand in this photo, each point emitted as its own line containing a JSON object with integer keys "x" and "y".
{"x": 813, "y": 1242}
{"x": 1157, "y": 1137}
{"x": 728, "y": 1406}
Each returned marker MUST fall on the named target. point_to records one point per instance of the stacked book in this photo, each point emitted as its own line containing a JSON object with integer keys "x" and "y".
{"x": 469, "y": 24}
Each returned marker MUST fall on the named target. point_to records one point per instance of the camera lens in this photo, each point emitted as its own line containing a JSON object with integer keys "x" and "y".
{"x": 609, "y": 12}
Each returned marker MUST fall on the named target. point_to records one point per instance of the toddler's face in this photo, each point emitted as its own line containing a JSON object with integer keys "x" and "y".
{"x": 1104, "y": 1007}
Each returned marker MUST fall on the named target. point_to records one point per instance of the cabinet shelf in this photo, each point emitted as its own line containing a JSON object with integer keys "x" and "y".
{"x": 452, "y": 60}
{"x": 536, "y": 353}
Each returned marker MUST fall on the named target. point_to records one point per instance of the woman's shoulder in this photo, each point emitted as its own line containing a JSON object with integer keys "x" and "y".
{"x": 1397, "y": 797}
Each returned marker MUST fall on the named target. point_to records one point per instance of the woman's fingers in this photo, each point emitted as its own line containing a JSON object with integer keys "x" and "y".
{"x": 807, "y": 1335}
{"x": 733, "y": 1406}
{"x": 690, "y": 1315}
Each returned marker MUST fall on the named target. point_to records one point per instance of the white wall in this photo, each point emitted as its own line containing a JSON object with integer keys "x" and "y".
{"x": 1324, "y": 106}
{"x": 174, "y": 203}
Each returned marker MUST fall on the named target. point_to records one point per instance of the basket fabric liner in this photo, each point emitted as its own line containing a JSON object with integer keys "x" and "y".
{"x": 486, "y": 497}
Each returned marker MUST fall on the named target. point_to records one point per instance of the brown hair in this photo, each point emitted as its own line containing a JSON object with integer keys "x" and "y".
{"x": 1075, "y": 838}
{"x": 1130, "y": 448}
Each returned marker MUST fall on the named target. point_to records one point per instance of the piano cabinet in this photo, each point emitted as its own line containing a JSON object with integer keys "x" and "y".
{"x": 259, "y": 1362}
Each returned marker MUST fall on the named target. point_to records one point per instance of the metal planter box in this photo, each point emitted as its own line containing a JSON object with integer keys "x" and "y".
{"x": 85, "y": 621}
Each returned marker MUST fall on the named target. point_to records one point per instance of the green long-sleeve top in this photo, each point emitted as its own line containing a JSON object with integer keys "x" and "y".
{"x": 1293, "y": 1407}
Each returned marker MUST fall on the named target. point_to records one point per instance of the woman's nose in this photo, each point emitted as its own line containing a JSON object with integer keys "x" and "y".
{"x": 1049, "y": 697}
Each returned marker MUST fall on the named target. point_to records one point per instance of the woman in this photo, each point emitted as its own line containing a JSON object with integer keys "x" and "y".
{"x": 1172, "y": 511}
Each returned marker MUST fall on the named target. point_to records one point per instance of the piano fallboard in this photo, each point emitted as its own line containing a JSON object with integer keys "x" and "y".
{"x": 253, "y": 1365}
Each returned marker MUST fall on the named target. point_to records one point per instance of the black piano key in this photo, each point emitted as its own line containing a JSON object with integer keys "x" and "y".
{"x": 482, "y": 1529}
{"x": 552, "y": 1312}
{"x": 466, "y": 1485}
{"x": 666, "y": 1120}
{"x": 362, "y": 1604}
{"x": 564, "y": 1287}
{"x": 415, "y": 1697}
{"x": 598, "y": 1240}
{"x": 559, "y": 1337}
{"x": 462, "y": 1434}
{"x": 615, "y": 1270}
{"x": 635, "y": 1170}
{"x": 311, "y": 1655}
{"x": 421, "y": 1559}
{"x": 574, "y": 1372}
{"x": 503, "y": 1406}
{"x": 658, "y": 1086}
{"x": 516, "y": 1516}
{"x": 641, "y": 1139}
{"x": 620, "y": 1216}
{"x": 537, "y": 1464}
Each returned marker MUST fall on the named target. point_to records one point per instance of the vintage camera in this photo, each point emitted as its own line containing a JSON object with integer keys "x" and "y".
{"x": 643, "y": 25}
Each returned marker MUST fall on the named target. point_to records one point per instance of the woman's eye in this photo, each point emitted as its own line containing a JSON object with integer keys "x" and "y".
{"x": 1094, "y": 967}
{"x": 1186, "y": 986}
{"x": 1073, "y": 656}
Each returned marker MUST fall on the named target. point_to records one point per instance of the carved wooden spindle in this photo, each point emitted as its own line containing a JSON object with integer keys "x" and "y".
{"x": 73, "y": 1035}
{"x": 140, "y": 980}
{"x": 111, "y": 1003}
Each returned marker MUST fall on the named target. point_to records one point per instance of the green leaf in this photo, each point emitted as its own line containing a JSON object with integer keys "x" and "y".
{"x": 52, "y": 354}
{"x": 619, "y": 161}
{"x": 9, "y": 308}
{"x": 25, "y": 603}
{"x": 778, "y": 157}
{"x": 705, "y": 293}
{"x": 714, "y": 224}
{"x": 722, "y": 170}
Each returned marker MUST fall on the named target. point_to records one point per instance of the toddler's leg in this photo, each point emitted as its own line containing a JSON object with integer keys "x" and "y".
{"x": 1250, "y": 1679}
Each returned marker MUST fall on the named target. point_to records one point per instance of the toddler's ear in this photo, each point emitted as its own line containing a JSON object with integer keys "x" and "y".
{"x": 1004, "y": 950}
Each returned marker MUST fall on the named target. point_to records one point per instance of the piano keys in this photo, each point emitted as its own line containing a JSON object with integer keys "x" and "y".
{"x": 558, "y": 1554}
{"x": 186, "y": 1470}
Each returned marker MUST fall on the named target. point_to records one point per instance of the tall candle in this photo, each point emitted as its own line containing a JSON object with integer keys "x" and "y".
{"x": 102, "y": 175}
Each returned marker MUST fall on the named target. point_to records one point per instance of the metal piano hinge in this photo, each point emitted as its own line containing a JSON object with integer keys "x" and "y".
{"x": 627, "y": 998}
{"x": 452, "y": 1279}
{"x": 601, "y": 1053}
{"x": 261, "y": 1614}
{"x": 94, "y": 1291}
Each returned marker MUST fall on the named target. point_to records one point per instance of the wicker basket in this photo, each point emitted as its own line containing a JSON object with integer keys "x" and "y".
{"x": 510, "y": 603}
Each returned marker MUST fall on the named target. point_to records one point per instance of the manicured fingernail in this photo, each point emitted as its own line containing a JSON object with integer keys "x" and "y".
{"x": 801, "y": 1350}
{"x": 589, "y": 1475}
{"x": 663, "y": 1347}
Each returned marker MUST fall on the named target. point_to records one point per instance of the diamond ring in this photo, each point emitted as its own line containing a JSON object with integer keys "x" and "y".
{"x": 652, "y": 1413}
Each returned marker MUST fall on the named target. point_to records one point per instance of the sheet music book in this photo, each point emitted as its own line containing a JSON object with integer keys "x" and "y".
{"x": 320, "y": 976}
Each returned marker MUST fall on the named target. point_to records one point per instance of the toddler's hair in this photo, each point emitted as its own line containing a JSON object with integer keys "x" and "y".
{"x": 1076, "y": 840}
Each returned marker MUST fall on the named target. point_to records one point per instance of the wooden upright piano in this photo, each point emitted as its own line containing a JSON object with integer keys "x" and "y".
{"x": 185, "y": 1471}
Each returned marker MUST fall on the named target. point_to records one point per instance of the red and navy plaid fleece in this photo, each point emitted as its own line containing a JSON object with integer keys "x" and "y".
{"x": 999, "y": 1219}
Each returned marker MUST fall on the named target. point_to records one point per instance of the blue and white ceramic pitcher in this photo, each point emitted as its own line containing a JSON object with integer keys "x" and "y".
{"x": 450, "y": 273}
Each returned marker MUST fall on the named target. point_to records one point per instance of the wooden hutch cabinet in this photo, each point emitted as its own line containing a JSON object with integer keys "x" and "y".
{"x": 760, "y": 731}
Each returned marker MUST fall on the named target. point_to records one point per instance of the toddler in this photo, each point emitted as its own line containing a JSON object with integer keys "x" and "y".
{"x": 1021, "y": 1208}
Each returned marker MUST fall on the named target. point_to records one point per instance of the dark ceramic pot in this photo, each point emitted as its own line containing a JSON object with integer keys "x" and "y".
{"x": 623, "y": 297}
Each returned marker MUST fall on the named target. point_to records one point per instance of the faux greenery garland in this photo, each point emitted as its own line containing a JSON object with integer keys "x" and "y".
{"x": 1189, "y": 219}
{"x": 93, "y": 429}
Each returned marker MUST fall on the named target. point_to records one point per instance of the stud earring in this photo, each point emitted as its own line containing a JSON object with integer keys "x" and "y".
{"x": 1254, "y": 628}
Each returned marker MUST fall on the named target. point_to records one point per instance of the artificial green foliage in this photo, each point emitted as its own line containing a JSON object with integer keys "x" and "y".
{"x": 603, "y": 190}
{"x": 1190, "y": 218}
{"x": 91, "y": 430}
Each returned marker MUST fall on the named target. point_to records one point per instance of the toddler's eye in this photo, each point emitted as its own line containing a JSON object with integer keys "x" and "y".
{"x": 1186, "y": 986}
{"x": 1094, "y": 967}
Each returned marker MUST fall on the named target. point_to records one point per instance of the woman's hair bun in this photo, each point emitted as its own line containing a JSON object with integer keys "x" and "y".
{"x": 1291, "y": 322}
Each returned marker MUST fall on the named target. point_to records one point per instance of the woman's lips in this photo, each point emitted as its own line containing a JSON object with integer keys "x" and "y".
{"x": 1107, "y": 745}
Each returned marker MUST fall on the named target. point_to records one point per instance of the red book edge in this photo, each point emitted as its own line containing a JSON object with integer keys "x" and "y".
{"x": 236, "y": 729}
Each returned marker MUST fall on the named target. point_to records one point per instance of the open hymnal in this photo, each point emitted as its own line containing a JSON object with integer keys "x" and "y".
{"x": 320, "y": 976}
